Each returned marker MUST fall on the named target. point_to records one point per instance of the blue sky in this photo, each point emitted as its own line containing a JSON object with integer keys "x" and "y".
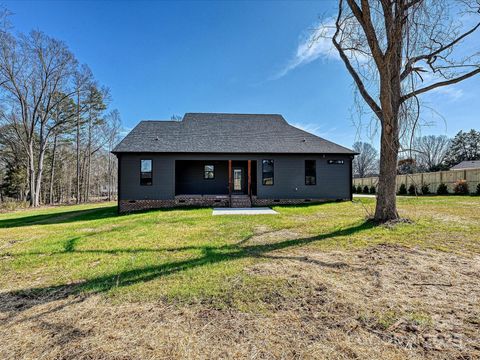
{"x": 164, "y": 58}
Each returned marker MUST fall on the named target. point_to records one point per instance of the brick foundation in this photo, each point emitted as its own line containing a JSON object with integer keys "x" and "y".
{"x": 127, "y": 206}
{"x": 272, "y": 202}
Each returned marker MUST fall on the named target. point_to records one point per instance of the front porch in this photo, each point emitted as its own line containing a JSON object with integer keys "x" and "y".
{"x": 215, "y": 181}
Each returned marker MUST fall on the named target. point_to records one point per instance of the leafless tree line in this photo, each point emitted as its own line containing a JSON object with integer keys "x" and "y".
{"x": 426, "y": 153}
{"x": 55, "y": 131}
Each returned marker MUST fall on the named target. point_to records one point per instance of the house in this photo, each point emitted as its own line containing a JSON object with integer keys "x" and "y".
{"x": 467, "y": 165}
{"x": 238, "y": 160}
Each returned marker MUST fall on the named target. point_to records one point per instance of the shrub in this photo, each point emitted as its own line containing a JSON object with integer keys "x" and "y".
{"x": 478, "y": 189}
{"x": 425, "y": 189}
{"x": 402, "y": 190}
{"x": 461, "y": 187}
{"x": 10, "y": 205}
{"x": 412, "y": 190}
{"x": 365, "y": 189}
{"x": 372, "y": 190}
{"x": 359, "y": 189}
{"x": 442, "y": 189}
{"x": 354, "y": 189}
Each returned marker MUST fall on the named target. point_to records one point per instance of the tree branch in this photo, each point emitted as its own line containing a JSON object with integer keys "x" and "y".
{"x": 439, "y": 84}
{"x": 413, "y": 60}
{"x": 364, "y": 19}
{"x": 361, "y": 87}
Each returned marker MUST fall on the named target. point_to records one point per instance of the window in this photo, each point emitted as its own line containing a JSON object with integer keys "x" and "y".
{"x": 267, "y": 172}
{"x": 335, "y": 162}
{"x": 145, "y": 172}
{"x": 310, "y": 172}
{"x": 209, "y": 172}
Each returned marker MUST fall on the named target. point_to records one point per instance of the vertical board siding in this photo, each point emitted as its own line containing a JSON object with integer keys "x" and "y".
{"x": 333, "y": 181}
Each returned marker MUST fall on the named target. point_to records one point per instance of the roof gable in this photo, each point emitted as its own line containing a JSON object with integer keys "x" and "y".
{"x": 225, "y": 133}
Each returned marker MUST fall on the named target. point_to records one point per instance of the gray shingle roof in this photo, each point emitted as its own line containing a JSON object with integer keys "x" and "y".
{"x": 225, "y": 133}
{"x": 469, "y": 164}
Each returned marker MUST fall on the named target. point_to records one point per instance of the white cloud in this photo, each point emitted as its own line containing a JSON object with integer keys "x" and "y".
{"x": 314, "y": 43}
{"x": 315, "y": 129}
{"x": 125, "y": 130}
{"x": 452, "y": 92}
{"x": 311, "y": 128}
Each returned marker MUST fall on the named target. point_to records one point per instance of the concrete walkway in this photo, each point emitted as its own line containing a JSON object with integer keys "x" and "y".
{"x": 365, "y": 195}
{"x": 244, "y": 211}
{"x": 374, "y": 195}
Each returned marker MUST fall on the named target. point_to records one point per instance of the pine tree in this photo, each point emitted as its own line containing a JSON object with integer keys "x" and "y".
{"x": 465, "y": 146}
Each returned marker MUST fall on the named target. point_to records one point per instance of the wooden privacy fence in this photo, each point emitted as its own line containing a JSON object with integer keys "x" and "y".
{"x": 432, "y": 179}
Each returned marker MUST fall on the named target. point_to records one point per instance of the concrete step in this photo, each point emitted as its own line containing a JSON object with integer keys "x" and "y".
{"x": 240, "y": 201}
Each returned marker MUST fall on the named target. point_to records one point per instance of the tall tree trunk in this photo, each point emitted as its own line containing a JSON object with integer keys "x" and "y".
{"x": 87, "y": 186}
{"x": 78, "y": 148}
{"x": 89, "y": 158}
{"x": 109, "y": 176}
{"x": 38, "y": 186}
{"x": 52, "y": 170}
{"x": 390, "y": 95}
{"x": 386, "y": 208}
{"x": 69, "y": 189}
{"x": 83, "y": 177}
{"x": 31, "y": 173}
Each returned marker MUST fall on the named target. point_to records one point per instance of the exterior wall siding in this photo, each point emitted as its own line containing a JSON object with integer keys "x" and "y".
{"x": 190, "y": 178}
{"x": 333, "y": 181}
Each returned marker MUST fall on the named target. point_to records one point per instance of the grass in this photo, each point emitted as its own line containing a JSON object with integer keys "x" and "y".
{"x": 191, "y": 256}
{"x": 246, "y": 264}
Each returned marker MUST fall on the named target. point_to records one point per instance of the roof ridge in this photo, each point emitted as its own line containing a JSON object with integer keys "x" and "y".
{"x": 163, "y": 121}
{"x": 226, "y": 113}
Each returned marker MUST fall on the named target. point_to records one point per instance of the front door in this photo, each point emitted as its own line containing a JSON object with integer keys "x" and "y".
{"x": 238, "y": 180}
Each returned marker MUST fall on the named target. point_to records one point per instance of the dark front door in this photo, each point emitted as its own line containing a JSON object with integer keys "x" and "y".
{"x": 238, "y": 180}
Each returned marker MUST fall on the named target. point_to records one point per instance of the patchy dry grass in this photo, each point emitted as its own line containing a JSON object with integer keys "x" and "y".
{"x": 313, "y": 282}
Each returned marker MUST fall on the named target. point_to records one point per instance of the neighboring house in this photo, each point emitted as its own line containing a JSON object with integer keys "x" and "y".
{"x": 467, "y": 165}
{"x": 236, "y": 160}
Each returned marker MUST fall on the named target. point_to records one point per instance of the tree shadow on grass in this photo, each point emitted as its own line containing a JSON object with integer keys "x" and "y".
{"x": 61, "y": 217}
{"x": 17, "y": 301}
{"x": 87, "y": 215}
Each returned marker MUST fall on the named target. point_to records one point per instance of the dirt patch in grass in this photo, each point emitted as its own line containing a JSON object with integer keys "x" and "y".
{"x": 424, "y": 302}
{"x": 380, "y": 302}
{"x": 272, "y": 237}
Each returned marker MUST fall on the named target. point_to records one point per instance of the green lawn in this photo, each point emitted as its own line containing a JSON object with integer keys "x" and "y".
{"x": 315, "y": 281}
{"x": 191, "y": 256}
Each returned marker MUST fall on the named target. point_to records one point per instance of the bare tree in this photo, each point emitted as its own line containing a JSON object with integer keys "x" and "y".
{"x": 51, "y": 121}
{"x": 430, "y": 151}
{"x": 83, "y": 79}
{"x": 366, "y": 162}
{"x": 96, "y": 105}
{"x": 34, "y": 69}
{"x": 111, "y": 130}
{"x": 396, "y": 50}
{"x": 64, "y": 115}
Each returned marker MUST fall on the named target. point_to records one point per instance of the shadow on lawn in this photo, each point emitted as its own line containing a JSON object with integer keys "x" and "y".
{"x": 84, "y": 215}
{"x": 61, "y": 217}
{"x": 15, "y": 301}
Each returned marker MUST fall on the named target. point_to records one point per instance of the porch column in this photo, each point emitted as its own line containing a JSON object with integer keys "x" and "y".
{"x": 229, "y": 177}
{"x": 249, "y": 172}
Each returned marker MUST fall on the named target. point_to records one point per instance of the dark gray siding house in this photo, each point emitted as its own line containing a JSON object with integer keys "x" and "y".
{"x": 236, "y": 160}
